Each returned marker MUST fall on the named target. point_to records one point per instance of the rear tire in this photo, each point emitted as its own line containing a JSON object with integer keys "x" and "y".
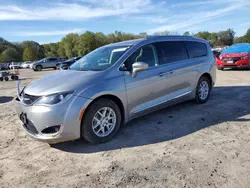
{"x": 1, "y": 79}
{"x": 6, "y": 79}
{"x": 96, "y": 121}
{"x": 203, "y": 90}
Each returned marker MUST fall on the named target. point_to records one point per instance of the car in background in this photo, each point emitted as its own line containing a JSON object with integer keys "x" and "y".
{"x": 216, "y": 53}
{"x": 46, "y": 63}
{"x": 15, "y": 65}
{"x": 66, "y": 64}
{"x": 26, "y": 64}
{"x": 235, "y": 56}
{"x": 31, "y": 65}
{"x": 115, "y": 84}
{"x": 4, "y": 66}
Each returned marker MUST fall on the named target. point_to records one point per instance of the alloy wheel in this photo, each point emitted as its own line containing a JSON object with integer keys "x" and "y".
{"x": 203, "y": 90}
{"x": 104, "y": 122}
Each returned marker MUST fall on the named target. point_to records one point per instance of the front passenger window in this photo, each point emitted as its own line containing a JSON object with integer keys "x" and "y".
{"x": 144, "y": 54}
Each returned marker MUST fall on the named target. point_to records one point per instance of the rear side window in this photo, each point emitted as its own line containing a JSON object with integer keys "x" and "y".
{"x": 171, "y": 51}
{"x": 196, "y": 49}
{"x": 52, "y": 59}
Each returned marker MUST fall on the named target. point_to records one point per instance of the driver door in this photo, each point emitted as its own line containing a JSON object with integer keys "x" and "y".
{"x": 46, "y": 63}
{"x": 147, "y": 88}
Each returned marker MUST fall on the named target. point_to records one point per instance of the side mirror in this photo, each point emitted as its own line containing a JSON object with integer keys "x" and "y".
{"x": 138, "y": 67}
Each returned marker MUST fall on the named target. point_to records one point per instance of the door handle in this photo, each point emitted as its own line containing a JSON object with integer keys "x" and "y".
{"x": 165, "y": 73}
{"x": 162, "y": 74}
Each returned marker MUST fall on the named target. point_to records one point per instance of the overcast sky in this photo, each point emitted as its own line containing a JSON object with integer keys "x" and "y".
{"x": 48, "y": 21}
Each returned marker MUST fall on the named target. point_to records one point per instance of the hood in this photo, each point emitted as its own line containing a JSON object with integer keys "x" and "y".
{"x": 61, "y": 81}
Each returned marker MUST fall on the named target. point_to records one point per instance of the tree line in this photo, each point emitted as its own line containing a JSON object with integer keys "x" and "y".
{"x": 80, "y": 44}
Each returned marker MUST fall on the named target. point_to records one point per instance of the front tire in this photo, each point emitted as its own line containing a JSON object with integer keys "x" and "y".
{"x": 101, "y": 121}
{"x": 39, "y": 68}
{"x": 203, "y": 90}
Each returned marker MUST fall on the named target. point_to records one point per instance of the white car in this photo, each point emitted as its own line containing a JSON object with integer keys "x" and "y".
{"x": 26, "y": 65}
{"x": 30, "y": 65}
{"x": 15, "y": 65}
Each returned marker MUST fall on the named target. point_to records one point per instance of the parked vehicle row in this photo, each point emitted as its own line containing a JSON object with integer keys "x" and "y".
{"x": 113, "y": 85}
{"x": 16, "y": 65}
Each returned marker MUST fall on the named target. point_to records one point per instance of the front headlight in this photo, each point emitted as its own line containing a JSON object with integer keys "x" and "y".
{"x": 245, "y": 57}
{"x": 54, "y": 98}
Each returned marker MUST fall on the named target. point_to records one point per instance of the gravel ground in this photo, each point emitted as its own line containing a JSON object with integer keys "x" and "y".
{"x": 187, "y": 145}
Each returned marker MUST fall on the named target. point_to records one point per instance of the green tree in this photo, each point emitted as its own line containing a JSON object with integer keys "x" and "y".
{"x": 203, "y": 34}
{"x": 10, "y": 55}
{"x": 29, "y": 54}
{"x": 101, "y": 39}
{"x": 226, "y": 38}
{"x": 36, "y": 48}
{"x": 61, "y": 51}
{"x": 69, "y": 44}
{"x": 51, "y": 50}
{"x": 87, "y": 43}
{"x": 243, "y": 39}
{"x": 186, "y": 33}
{"x": 247, "y": 36}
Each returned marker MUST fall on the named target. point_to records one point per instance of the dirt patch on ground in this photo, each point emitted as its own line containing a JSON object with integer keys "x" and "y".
{"x": 187, "y": 145}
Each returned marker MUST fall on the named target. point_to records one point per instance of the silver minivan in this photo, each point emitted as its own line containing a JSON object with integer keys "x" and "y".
{"x": 114, "y": 84}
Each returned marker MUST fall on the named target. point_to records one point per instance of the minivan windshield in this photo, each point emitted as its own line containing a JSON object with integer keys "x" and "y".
{"x": 100, "y": 59}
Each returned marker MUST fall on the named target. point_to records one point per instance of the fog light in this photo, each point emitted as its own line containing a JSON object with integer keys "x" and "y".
{"x": 51, "y": 130}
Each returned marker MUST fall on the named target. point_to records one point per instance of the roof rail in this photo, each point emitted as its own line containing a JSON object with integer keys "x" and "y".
{"x": 169, "y": 36}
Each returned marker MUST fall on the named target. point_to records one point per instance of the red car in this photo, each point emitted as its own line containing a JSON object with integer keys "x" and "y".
{"x": 237, "y": 56}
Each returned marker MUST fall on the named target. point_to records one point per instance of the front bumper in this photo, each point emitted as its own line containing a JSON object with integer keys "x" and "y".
{"x": 65, "y": 115}
{"x": 245, "y": 63}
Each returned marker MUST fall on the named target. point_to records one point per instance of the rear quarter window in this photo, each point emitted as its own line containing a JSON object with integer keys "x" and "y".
{"x": 196, "y": 49}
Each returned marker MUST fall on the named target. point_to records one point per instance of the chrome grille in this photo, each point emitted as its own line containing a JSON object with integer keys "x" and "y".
{"x": 234, "y": 59}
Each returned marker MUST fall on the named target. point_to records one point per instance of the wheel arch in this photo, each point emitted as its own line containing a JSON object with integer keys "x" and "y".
{"x": 38, "y": 65}
{"x": 114, "y": 98}
{"x": 209, "y": 77}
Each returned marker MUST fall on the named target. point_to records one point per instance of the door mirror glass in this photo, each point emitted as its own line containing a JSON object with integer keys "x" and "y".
{"x": 138, "y": 67}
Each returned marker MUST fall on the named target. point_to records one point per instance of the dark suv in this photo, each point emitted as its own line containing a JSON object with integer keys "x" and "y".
{"x": 66, "y": 64}
{"x": 46, "y": 63}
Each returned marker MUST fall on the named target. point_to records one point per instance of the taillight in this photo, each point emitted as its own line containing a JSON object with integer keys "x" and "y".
{"x": 245, "y": 57}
